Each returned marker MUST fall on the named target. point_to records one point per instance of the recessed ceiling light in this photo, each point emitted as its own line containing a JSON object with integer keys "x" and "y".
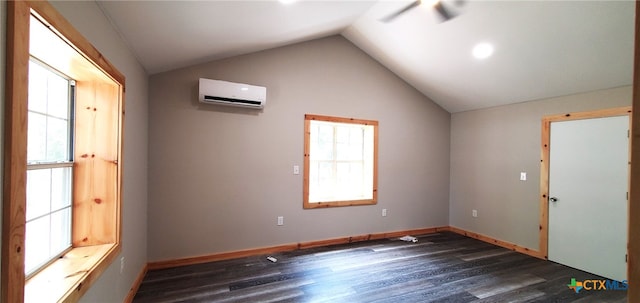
{"x": 244, "y": 88}
{"x": 287, "y": 1}
{"x": 482, "y": 50}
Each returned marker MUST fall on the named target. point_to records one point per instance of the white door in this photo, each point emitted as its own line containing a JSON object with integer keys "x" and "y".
{"x": 588, "y": 183}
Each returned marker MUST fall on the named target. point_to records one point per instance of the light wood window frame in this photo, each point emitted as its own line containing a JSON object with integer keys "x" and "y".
{"x": 307, "y": 155}
{"x": 97, "y": 171}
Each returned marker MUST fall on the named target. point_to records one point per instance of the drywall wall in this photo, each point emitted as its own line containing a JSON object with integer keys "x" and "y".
{"x": 489, "y": 149}
{"x": 220, "y": 176}
{"x": 87, "y": 18}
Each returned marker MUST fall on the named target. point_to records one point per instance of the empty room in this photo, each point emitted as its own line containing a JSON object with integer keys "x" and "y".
{"x": 319, "y": 151}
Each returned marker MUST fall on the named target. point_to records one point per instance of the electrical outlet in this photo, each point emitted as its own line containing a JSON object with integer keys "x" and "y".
{"x": 384, "y": 212}
{"x": 280, "y": 220}
{"x": 474, "y": 213}
{"x": 121, "y": 265}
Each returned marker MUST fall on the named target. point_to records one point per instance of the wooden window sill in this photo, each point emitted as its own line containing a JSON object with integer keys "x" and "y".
{"x": 63, "y": 279}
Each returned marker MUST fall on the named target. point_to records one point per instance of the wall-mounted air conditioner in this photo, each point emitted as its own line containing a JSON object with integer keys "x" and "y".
{"x": 232, "y": 94}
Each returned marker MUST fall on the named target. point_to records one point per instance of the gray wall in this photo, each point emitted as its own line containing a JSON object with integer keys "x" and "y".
{"x": 489, "y": 149}
{"x": 219, "y": 176}
{"x": 89, "y": 20}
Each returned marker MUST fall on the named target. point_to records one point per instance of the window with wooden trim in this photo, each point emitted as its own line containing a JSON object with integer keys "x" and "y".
{"x": 63, "y": 168}
{"x": 340, "y": 161}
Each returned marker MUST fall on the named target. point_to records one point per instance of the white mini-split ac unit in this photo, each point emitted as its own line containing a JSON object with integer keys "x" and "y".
{"x": 232, "y": 94}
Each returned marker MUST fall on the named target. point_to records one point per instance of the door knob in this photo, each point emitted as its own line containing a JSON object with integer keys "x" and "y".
{"x": 553, "y": 199}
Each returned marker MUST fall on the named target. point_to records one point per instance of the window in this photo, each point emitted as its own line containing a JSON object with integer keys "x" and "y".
{"x": 49, "y": 166}
{"x": 340, "y": 161}
{"x": 62, "y": 156}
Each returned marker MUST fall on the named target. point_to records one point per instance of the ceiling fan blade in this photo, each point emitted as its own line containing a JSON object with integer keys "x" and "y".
{"x": 402, "y": 11}
{"x": 442, "y": 11}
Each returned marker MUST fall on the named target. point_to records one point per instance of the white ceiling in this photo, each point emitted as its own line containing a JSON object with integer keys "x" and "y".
{"x": 542, "y": 48}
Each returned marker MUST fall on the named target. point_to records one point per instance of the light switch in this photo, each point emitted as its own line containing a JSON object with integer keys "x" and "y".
{"x": 296, "y": 170}
{"x": 523, "y": 176}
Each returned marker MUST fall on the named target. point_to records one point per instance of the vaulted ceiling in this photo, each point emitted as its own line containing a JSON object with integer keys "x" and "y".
{"x": 542, "y": 49}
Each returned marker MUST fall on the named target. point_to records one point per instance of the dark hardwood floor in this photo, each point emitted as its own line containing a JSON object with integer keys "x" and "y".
{"x": 441, "y": 267}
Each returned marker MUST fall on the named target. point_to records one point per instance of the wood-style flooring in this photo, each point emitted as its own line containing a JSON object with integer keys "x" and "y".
{"x": 441, "y": 267}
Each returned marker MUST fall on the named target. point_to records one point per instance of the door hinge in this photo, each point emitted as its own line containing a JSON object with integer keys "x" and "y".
{"x": 627, "y": 196}
{"x": 626, "y": 258}
{"x": 628, "y": 133}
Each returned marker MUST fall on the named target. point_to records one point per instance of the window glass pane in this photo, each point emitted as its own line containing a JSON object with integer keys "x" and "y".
{"x": 36, "y": 243}
{"x": 342, "y": 151}
{"x": 36, "y": 138}
{"x": 38, "y": 192}
{"x": 325, "y": 173}
{"x": 342, "y": 134}
{"x": 37, "y": 88}
{"x": 60, "y": 231}
{"x": 356, "y": 138}
{"x": 61, "y": 181}
{"x": 349, "y": 142}
{"x": 356, "y": 177}
{"x": 321, "y": 183}
{"x": 367, "y": 146}
{"x": 48, "y": 230}
{"x": 324, "y": 149}
{"x": 49, "y": 104}
{"x": 343, "y": 178}
{"x": 58, "y": 96}
{"x": 57, "y": 140}
{"x": 314, "y": 140}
